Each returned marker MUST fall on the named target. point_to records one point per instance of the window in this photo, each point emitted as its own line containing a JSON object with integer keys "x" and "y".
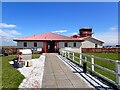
{"x": 35, "y": 44}
{"x": 96, "y": 45}
{"x": 66, "y": 45}
{"x": 74, "y": 44}
{"x": 25, "y": 44}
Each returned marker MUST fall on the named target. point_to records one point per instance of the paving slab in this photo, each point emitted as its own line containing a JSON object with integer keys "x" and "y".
{"x": 58, "y": 75}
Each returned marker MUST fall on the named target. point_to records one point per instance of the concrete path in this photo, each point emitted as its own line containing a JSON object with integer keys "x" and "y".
{"x": 58, "y": 75}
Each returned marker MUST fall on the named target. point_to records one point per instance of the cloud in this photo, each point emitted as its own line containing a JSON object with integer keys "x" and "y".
{"x": 9, "y": 33}
{"x": 110, "y": 36}
{"x": 7, "y": 36}
{"x": 13, "y": 32}
{"x": 113, "y": 28}
{"x": 7, "y": 41}
{"x": 74, "y": 33}
{"x": 59, "y": 31}
{"x": 4, "y": 25}
{"x": 4, "y": 34}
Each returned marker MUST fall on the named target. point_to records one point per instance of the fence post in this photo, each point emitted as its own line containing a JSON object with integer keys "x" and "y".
{"x": 68, "y": 54}
{"x": 80, "y": 57}
{"x": 62, "y": 53}
{"x": 85, "y": 58}
{"x": 92, "y": 63}
{"x": 65, "y": 54}
{"x": 118, "y": 73}
{"x": 73, "y": 56}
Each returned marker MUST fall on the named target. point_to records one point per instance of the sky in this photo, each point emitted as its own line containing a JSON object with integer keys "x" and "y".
{"x": 20, "y": 19}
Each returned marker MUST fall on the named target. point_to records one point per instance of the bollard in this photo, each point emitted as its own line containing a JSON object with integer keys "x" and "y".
{"x": 84, "y": 67}
{"x": 118, "y": 73}
{"x": 59, "y": 53}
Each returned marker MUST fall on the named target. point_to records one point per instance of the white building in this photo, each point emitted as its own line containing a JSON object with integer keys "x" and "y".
{"x": 51, "y": 42}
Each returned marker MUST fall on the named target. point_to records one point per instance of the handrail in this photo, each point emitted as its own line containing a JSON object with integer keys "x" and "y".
{"x": 109, "y": 60}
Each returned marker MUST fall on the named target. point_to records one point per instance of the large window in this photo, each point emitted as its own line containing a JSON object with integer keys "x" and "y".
{"x": 35, "y": 44}
{"x": 25, "y": 44}
{"x": 65, "y": 44}
{"x": 74, "y": 44}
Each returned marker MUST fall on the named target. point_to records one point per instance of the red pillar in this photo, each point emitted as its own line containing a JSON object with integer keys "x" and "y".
{"x": 45, "y": 47}
{"x": 56, "y": 44}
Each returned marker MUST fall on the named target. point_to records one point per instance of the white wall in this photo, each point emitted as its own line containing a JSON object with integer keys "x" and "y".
{"x": 29, "y": 44}
{"x": 90, "y": 43}
{"x": 61, "y": 44}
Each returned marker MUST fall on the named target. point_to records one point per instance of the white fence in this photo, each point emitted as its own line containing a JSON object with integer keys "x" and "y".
{"x": 81, "y": 58}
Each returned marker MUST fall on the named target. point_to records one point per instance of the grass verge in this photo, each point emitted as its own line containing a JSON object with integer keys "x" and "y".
{"x": 11, "y": 77}
{"x": 34, "y": 56}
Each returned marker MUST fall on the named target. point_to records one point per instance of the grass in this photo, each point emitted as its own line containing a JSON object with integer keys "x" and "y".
{"x": 34, "y": 56}
{"x": 103, "y": 63}
{"x": 11, "y": 77}
{"x": 114, "y": 56}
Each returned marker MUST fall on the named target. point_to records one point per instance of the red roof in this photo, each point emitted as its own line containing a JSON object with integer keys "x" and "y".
{"x": 49, "y": 36}
{"x": 75, "y": 36}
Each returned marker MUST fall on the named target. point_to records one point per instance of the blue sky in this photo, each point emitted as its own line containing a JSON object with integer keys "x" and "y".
{"x": 24, "y": 19}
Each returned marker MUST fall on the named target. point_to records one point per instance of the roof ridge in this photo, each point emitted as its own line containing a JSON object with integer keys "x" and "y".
{"x": 47, "y": 36}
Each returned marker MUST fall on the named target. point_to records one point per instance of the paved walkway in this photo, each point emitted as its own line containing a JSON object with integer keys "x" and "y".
{"x": 58, "y": 75}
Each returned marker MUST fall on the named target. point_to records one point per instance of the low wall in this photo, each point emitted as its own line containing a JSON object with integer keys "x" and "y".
{"x": 9, "y": 51}
{"x": 14, "y": 50}
{"x": 100, "y": 50}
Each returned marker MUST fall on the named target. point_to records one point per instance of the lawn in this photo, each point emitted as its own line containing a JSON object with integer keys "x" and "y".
{"x": 35, "y": 56}
{"x": 11, "y": 77}
{"x": 103, "y": 63}
{"x": 114, "y": 56}
{"x": 109, "y": 65}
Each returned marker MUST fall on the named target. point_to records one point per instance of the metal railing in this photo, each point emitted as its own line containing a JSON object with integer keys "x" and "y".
{"x": 81, "y": 58}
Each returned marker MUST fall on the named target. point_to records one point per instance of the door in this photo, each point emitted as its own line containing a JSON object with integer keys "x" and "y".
{"x": 51, "y": 47}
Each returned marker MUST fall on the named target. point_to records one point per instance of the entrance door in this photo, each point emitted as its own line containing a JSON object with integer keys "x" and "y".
{"x": 50, "y": 46}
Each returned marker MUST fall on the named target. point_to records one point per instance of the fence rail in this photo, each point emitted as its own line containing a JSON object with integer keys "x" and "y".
{"x": 81, "y": 59}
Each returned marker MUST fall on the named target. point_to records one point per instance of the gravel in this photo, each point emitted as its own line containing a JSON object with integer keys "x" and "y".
{"x": 34, "y": 74}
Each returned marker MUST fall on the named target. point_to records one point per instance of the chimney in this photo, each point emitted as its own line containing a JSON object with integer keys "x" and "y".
{"x": 84, "y": 32}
